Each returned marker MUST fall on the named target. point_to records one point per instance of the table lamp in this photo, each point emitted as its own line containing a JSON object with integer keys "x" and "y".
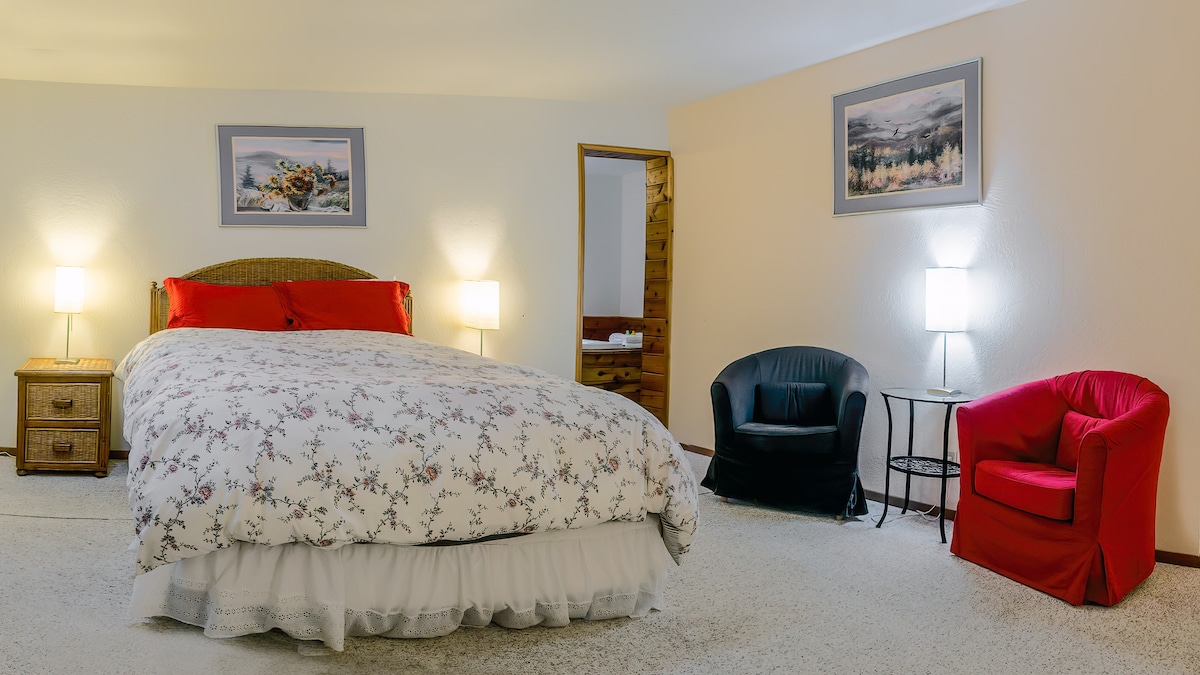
{"x": 68, "y": 299}
{"x": 945, "y": 310}
{"x": 481, "y": 306}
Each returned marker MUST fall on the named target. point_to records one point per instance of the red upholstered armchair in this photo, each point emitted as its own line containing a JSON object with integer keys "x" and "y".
{"x": 1059, "y": 482}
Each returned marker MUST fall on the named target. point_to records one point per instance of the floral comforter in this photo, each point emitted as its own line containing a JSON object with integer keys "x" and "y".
{"x": 333, "y": 437}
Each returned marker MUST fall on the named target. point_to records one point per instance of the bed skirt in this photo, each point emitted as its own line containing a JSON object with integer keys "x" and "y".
{"x": 547, "y": 578}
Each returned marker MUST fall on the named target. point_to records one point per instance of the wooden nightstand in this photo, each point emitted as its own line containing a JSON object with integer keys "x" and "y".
{"x": 63, "y": 414}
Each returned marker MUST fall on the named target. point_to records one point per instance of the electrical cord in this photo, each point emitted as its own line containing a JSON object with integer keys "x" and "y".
{"x": 925, "y": 515}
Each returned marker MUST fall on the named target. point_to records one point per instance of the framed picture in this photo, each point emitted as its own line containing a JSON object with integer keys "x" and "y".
{"x": 908, "y": 143}
{"x": 292, "y": 176}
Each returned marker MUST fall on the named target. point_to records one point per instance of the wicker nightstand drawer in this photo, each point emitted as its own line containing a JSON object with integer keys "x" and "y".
{"x": 62, "y": 445}
{"x": 63, "y": 412}
{"x": 62, "y": 401}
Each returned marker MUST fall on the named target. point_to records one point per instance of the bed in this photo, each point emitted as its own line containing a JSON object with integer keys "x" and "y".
{"x": 331, "y": 482}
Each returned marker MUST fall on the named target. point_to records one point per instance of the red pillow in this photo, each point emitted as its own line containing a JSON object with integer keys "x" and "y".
{"x": 345, "y": 305}
{"x": 1074, "y": 426}
{"x": 195, "y": 304}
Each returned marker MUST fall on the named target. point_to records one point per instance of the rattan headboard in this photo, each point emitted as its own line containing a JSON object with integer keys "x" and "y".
{"x": 258, "y": 272}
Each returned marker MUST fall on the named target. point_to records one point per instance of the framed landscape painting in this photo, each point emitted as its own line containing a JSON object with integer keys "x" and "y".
{"x": 292, "y": 176}
{"x": 908, "y": 143}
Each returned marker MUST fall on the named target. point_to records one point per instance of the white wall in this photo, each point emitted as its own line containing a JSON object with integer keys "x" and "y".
{"x": 123, "y": 180}
{"x": 602, "y": 245}
{"x": 614, "y": 237}
{"x": 633, "y": 241}
{"x": 1082, "y": 256}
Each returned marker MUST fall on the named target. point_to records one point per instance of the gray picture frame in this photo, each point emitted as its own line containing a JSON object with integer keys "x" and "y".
{"x": 878, "y": 169}
{"x": 248, "y": 155}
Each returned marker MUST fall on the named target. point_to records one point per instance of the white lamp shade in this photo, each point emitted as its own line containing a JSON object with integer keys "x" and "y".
{"x": 68, "y": 290}
{"x": 946, "y": 299}
{"x": 481, "y": 304}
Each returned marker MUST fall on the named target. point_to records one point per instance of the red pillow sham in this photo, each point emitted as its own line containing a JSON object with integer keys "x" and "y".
{"x": 195, "y": 304}
{"x": 345, "y": 305}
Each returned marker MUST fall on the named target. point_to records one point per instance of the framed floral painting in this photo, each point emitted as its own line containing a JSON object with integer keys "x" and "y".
{"x": 909, "y": 143}
{"x": 292, "y": 176}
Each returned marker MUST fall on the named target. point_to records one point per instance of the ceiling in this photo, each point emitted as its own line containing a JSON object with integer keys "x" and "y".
{"x": 660, "y": 53}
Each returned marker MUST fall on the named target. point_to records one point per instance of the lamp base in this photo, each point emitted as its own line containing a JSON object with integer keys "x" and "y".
{"x": 942, "y": 391}
{"x": 66, "y": 359}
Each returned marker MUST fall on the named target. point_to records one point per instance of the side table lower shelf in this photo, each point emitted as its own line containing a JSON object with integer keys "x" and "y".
{"x": 930, "y": 467}
{"x": 917, "y": 465}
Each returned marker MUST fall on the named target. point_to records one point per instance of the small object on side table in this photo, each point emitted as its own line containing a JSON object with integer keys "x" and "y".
{"x": 63, "y": 415}
{"x": 909, "y": 465}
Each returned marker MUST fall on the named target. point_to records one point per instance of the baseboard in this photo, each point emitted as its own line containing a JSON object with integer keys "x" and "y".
{"x": 1181, "y": 559}
{"x": 697, "y": 449}
{"x": 897, "y": 501}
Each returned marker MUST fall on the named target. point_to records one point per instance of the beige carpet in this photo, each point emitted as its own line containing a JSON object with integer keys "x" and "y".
{"x": 763, "y": 591}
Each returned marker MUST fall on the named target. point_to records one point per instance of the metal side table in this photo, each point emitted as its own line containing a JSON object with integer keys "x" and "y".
{"x": 910, "y": 465}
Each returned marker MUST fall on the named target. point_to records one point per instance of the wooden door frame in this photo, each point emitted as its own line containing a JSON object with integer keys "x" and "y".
{"x": 617, "y": 152}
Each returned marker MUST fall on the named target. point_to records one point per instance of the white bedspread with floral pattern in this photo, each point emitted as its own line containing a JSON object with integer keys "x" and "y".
{"x": 333, "y": 437}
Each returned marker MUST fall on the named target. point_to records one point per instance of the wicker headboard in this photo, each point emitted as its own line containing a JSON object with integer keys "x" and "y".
{"x": 258, "y": 272}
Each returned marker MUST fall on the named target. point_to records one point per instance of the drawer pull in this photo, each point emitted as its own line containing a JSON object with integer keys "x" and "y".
{"x": 62, "y": 402}
{"x": 62, "y": 447}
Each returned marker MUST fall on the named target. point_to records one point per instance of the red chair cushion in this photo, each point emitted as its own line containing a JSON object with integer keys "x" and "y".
{"x": 1074, "y": 426}
{"x": 1041, "y": 489}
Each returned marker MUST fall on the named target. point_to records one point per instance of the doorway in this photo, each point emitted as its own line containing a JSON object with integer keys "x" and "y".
{"x": 651, "y": 367}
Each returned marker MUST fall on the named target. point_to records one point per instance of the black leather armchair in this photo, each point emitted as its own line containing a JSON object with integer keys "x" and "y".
{"x": 788, "y": 422}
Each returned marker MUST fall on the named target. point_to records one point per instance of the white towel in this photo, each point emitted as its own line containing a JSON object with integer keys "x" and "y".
{"x": 626, "y": 339}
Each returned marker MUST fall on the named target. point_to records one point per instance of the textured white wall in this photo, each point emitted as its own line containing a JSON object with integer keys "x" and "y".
{"x": 1082, "y": 256}
{"x": 123, "y": 180}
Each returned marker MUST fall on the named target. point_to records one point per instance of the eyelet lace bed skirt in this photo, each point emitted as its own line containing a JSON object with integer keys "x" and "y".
{"x": 547, "y": 578}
